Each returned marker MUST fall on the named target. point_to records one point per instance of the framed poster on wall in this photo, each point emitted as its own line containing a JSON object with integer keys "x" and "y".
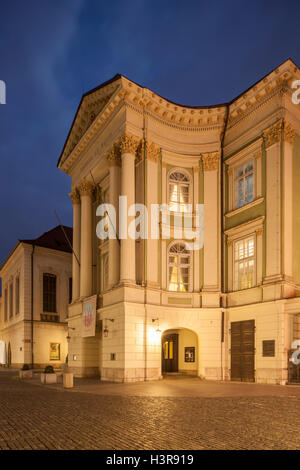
{"x": 189, "y": 354}
{"x": 54, "y": 351}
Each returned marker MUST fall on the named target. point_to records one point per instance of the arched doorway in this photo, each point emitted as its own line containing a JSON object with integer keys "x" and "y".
{"x": 179, "y": 352}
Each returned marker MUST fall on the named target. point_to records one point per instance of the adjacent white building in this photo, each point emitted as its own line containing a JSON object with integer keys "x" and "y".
{"x": 36, "y": 289}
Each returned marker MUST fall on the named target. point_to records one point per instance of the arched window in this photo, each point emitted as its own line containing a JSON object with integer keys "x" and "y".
{"x": 179, "y": 191}
{"x": 179, "y": 268}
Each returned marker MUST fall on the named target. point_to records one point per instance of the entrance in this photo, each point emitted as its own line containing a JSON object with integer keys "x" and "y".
{"x": 242, "y": 350}
{"x": 170, "y": 353}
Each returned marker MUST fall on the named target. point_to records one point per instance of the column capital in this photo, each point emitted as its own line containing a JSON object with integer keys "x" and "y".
{"x": 128, "y": 144}
{"x": 280, "y": 128}
{"x": 86, "y": 188}
{"x": 75, "y": 196}
{"x": 149, "y": 148}
{"x": 272, "y": 134}
{"x": 210, "y": 161}
{"x": 288, "y": 132}
{"x": 114, "y": 156}
{"x": 152, "y": 151}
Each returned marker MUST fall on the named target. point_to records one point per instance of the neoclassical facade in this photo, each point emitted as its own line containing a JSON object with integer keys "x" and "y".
{"x": 229, "y": 310}
{"x": 36, "y": 291}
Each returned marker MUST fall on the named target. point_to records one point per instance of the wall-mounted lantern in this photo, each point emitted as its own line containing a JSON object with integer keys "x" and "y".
{"x": 69, "y": 337}
{"x": 158, "y": 330}
{"x": 105, "y": 329}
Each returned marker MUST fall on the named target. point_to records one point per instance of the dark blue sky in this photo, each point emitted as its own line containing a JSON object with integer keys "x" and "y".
{"x": 52, "y": 51}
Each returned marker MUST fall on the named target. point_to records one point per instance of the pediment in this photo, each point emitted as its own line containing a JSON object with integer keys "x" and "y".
{"x": 90, "y": 106}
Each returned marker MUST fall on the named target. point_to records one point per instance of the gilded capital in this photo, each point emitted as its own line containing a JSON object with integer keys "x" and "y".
{"x": 128, "y": 144}
{"x": 114, "y": 156}
{"x": 210, "y": 161}
{"x": 288, "y": 132}
{"x": 86, "y": 188}
{"x": 75, "y": 196}
{"x": 152, "y": 151}
{"x": 272, "y": 135}
{"x": 259, "y": 231}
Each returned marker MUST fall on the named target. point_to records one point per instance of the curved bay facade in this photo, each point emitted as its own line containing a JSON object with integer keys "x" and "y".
{"x": 227, "y": 311}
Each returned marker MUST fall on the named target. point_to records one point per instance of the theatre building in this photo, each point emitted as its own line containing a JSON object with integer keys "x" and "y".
{"x": 229, "y": 310}
{"x": 36, "y": 290}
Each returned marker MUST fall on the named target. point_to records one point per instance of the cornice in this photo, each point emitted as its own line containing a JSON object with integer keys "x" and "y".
{"x": 245, "y": 207}
{"x": 277, "y": 82}
{"x": 102, "y": 105}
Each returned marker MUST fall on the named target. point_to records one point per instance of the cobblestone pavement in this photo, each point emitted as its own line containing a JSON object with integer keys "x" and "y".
{"x": 36, "y": 417}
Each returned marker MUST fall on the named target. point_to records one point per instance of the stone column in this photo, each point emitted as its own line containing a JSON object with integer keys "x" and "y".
{"x": 288, "y": 143}
{"x": 114, "y": 161}
{"x": 272, "y": 142}
{"x": 76, "y": 245}
{"x": 151, "y": 165}
{"x": 128, "y": 146}
{"x": 211, "y": 227}
{"x": 85, "y": 189}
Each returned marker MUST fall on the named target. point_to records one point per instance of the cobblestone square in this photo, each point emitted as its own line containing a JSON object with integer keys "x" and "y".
{"x": 167, "y": 415}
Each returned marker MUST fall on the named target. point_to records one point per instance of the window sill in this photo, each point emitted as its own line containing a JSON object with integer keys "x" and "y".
{"x": 245, "y": 207}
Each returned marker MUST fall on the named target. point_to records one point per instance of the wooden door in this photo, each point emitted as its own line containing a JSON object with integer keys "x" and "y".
{"x": 242, "y": 350}
{"x": 170, "y": 353}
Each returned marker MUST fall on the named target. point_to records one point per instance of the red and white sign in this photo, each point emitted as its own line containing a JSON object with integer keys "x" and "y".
{"x": 89, "y": 316}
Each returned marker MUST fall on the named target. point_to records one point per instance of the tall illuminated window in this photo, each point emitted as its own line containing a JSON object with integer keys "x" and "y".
{"x": 49, "y": 293}
{"x": 244, "y": 263}
{"x": 11, "y": 299}
{"x": 179, "y": 192}
{"x": 244, "y": 184}
{"x": 17, "y": 295}
{"x": 5, "y": 304}
{"x": 179, "y": 268}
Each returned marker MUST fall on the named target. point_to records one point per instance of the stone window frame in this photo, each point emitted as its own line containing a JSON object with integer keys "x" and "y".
{"x": 252, "y": 228}
{"x": 17, "y": 294}
{"x": 54, "y": 275}
{"x": 237, "y": 261}
{"x": 187, "y": 174}
{"x": 6, "y": 303}
{"x": 241, "y": 158}
{"x": 190, "y": 265}
{"x": 11, "y": 299}
{"x": 60, "y": 293}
